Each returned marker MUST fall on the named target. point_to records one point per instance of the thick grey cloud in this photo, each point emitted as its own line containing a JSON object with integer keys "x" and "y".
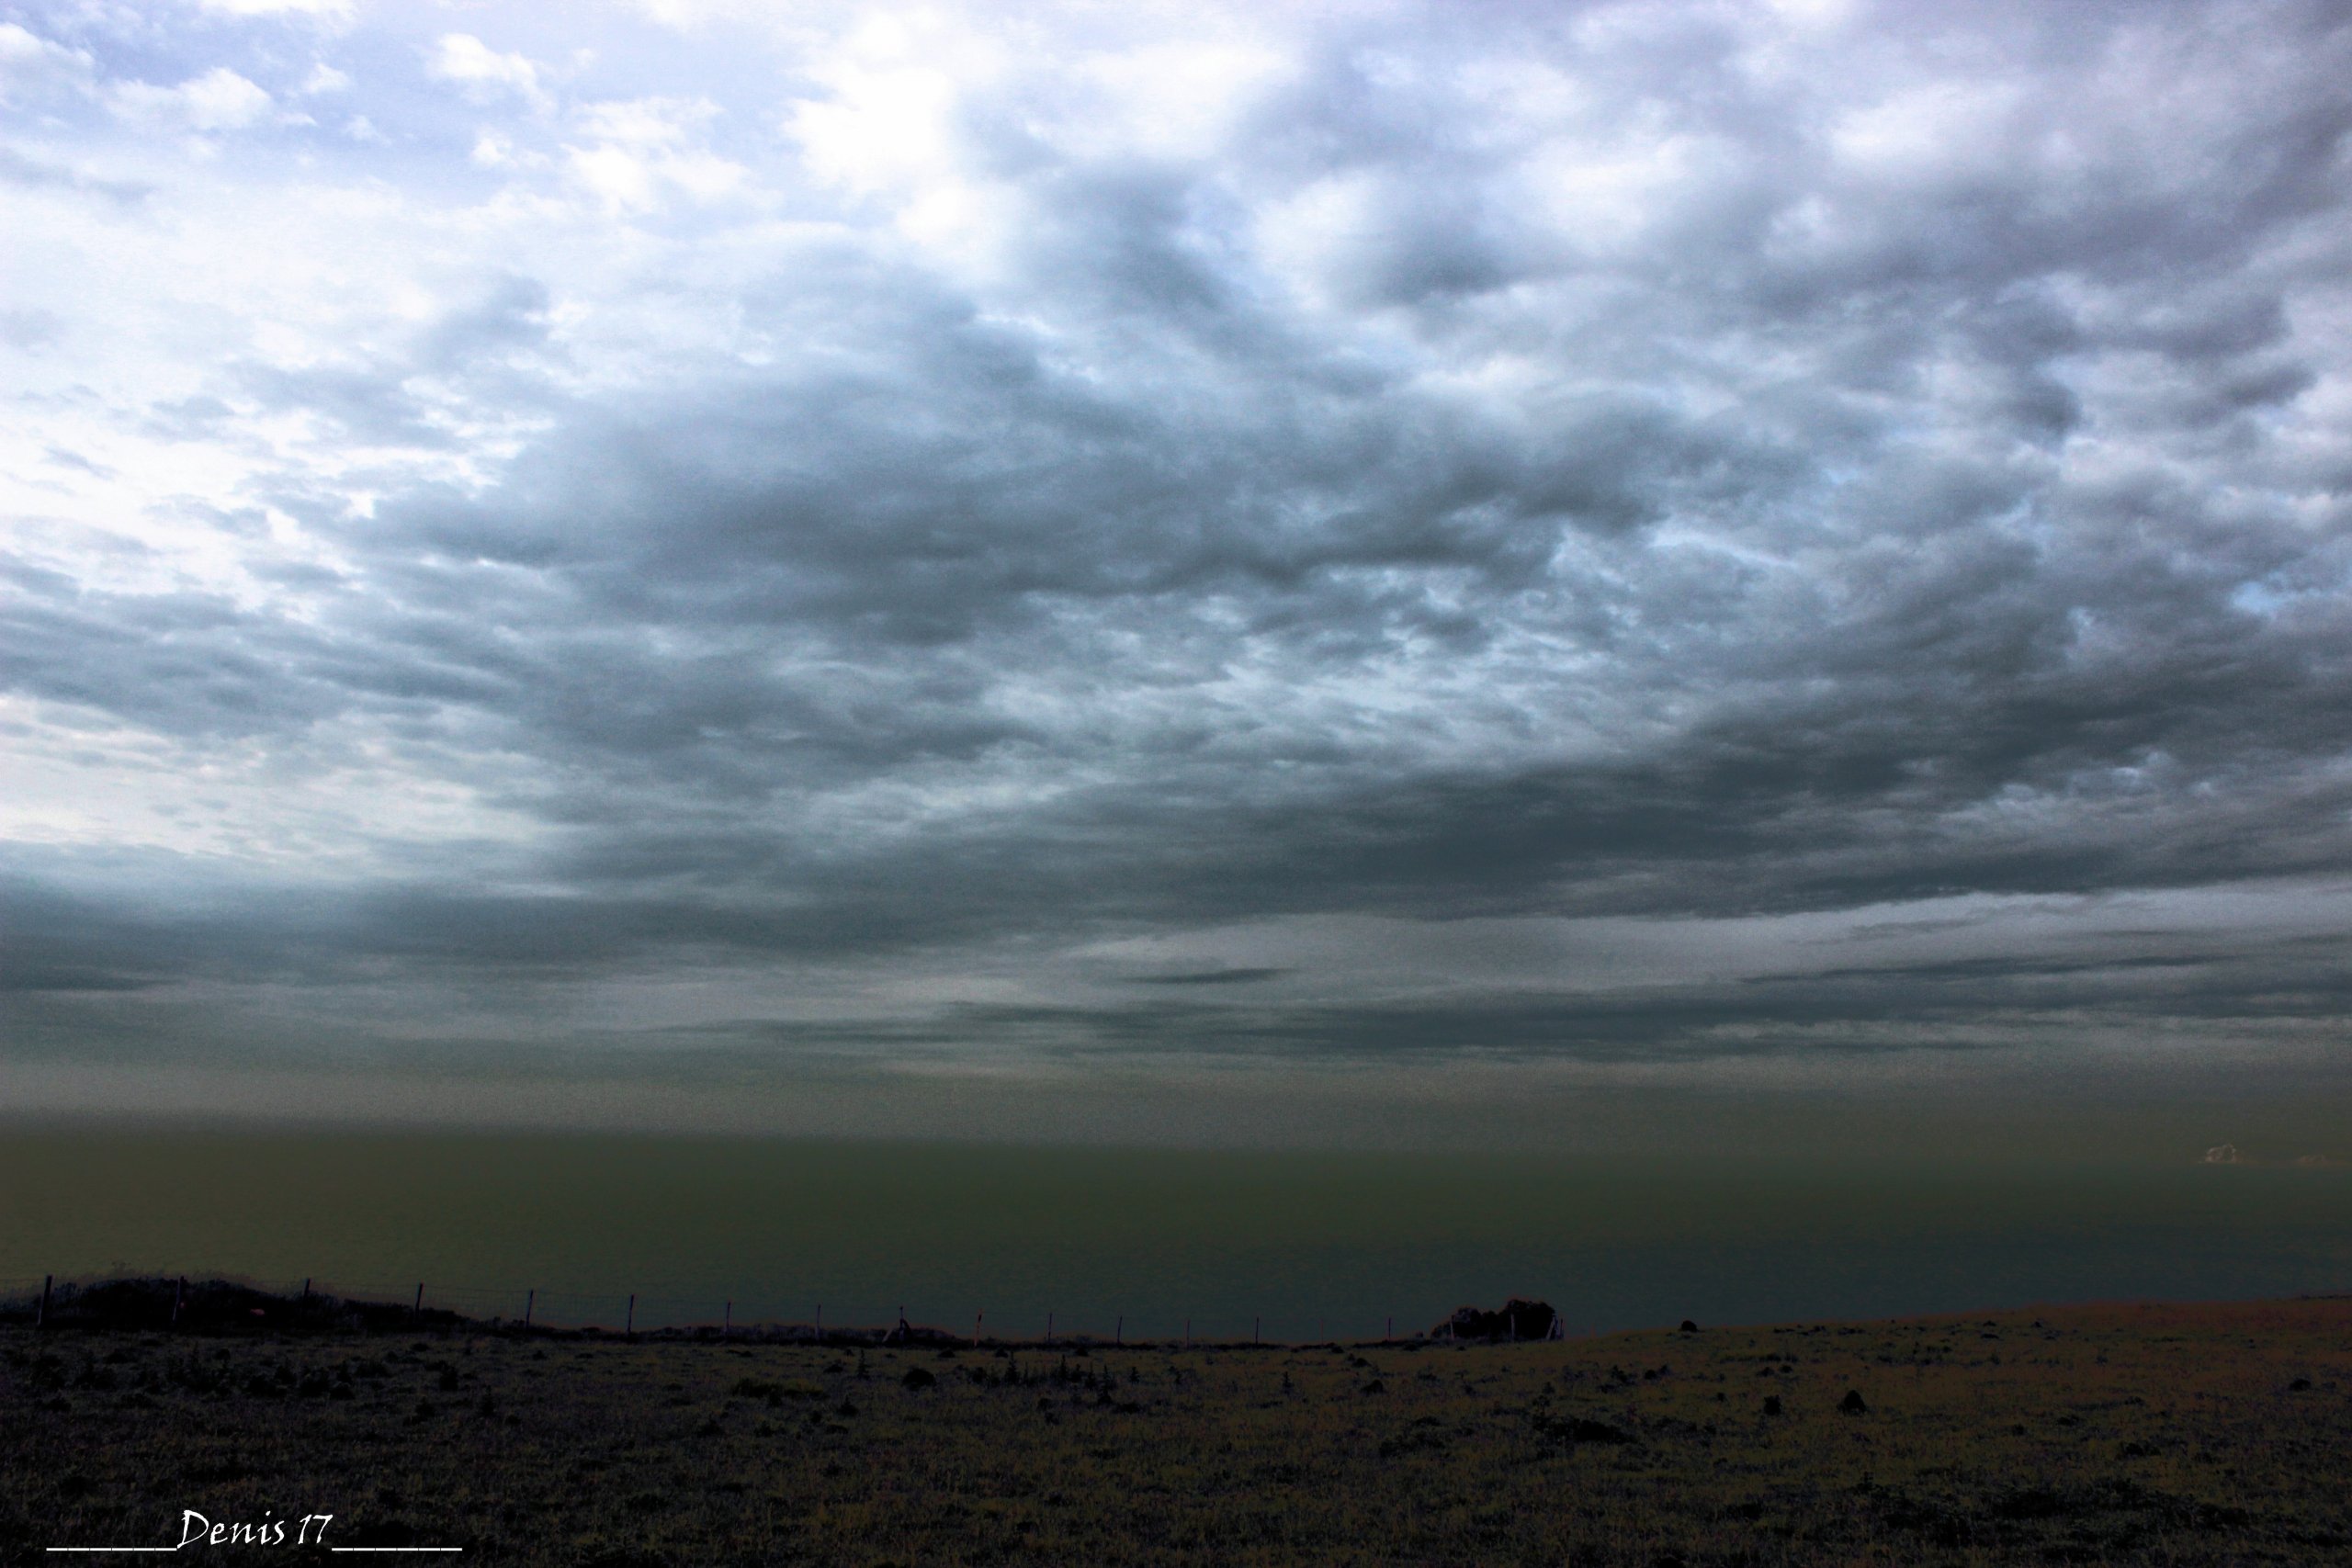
{"x": 875, "y": 539}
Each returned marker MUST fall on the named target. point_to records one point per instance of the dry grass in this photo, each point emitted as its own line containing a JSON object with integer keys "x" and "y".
{"x": 2129, "y": 1434}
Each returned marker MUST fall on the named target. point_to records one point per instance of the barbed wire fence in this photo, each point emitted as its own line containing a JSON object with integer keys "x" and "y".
{"x": 762, "y": 1316}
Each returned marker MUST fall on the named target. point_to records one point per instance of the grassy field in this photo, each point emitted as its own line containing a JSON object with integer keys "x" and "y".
{"x": 2171, "y": 1435}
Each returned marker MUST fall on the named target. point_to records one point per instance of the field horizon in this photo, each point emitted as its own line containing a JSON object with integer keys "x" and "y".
{"x": 1310, "y": 1245}
{"x": 212, "y": 1304}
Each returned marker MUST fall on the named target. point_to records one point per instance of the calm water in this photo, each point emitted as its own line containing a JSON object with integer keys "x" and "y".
{"x": 1312, "y": 1244}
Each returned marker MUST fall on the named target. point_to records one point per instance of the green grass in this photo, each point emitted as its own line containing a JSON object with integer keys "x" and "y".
{"x": 2154, "y": 1435}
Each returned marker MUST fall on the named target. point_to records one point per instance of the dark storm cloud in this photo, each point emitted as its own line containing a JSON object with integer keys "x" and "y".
{"x": 1961, "y": 1005}
{"x": 1212, "y": 977}
{"x": 1890, "y": 480}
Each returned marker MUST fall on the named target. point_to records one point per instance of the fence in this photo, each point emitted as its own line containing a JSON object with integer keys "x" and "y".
{"x": 426, "y": 1301}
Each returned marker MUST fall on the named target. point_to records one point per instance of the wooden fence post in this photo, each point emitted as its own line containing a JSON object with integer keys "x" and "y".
{"x": 727, "y": 1325}
{"x": 629, "y": 1326}
{"x": 1119, "y": 1334}
{"x": 530, "y": 1300}
{"x": 306, "y": 1287}
{"x": 41, "y": 1317}
{"x": 179, "y": 1294}
{"x": 417, "y": 1312}
{"x": 1049, "y": 1328}
{"x": 1253, "y": 1329}
{"x": 976, "y": 1327}
{"x": 820, "y": 1323}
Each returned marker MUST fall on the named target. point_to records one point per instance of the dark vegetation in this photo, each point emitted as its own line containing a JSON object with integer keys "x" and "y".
{"x": 2154, "y": 1435}
{"x": 1519, "y": 1319}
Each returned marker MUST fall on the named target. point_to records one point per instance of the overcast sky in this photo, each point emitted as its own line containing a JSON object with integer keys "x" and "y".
{"x": 1332, "y": 544}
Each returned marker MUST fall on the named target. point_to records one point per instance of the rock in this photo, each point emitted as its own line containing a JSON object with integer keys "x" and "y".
{"x": 1853, "y": 1404}
{"x": 1580, "y": 1429}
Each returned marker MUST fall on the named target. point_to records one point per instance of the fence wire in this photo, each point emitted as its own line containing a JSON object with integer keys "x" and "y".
{"x": 675, "y": 1310}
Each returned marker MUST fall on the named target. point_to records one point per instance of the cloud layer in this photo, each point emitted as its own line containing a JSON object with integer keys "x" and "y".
{"x": 1037, "y": 535}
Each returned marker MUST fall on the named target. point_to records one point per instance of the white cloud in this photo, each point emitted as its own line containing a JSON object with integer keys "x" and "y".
{"x": 1936, "y": 130}
{"x": 325, "y": 78}
{"x": 218, "y": 100}
{"x": 649, "y": 122}
{"x": 28, "y": 58}
{"x": 493, "y": 151}
{"x": 18, "y": 46}
{"x": 688, "y": 15}
{"x": 326, "y": 10}
{"x": 1173, "y": 98}
{"x": 1813, "y": 12}
{"x": 625, "y": 179}
{"x": 482, "y": 71}
{"x": 644, "y": 150}
{"x": 881, "y": 128}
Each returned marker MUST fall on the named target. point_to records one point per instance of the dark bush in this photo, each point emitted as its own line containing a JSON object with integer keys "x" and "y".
{"x": 1519, "y": 1319}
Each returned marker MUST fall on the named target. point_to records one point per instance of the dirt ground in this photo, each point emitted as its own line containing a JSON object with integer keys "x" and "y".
{"x": 2157, "y": 1435}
